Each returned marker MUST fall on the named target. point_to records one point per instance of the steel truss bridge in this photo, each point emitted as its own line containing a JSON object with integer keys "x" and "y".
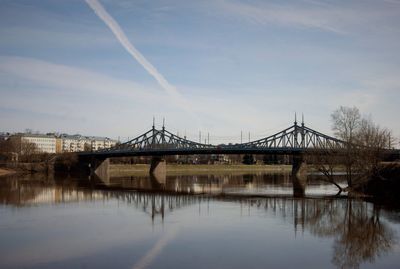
{"x": 296, "y": 139}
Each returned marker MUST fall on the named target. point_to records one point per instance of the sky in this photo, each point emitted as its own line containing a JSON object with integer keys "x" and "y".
{"x": 107, "y": 67}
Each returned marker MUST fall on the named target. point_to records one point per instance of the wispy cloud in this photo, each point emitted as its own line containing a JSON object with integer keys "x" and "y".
{"x": 315, "y": 17}
{"x": 48, "y": 38}
{"x": 76, "y": 96}
{"x": 307, "y": 14}
{"x": 70, "y": 78}
{"x": 38, "y": 87}
{"x": 72, "y": 92}
{"x": 123, "y": 39}
{"x": 397, "y": 2}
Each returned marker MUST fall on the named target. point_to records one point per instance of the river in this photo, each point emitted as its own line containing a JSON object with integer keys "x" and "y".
{"x": 191, "y": 221}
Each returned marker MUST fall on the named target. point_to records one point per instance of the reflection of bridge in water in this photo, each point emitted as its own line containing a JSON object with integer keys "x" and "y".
{"x": 154, "y": 202}
{"x": 209, "y": 183}
{"x": 154, "y": 198}
{"x": 355, "y": 226}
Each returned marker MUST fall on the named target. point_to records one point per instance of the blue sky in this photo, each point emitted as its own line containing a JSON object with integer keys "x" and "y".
{"x": 235, "y": 65}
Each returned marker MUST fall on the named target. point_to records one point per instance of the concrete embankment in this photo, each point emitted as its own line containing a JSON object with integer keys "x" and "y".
{"x": 198, "y": 169}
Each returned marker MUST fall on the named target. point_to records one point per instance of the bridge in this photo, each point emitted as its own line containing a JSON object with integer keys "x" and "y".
{"x": 294, "y": 140}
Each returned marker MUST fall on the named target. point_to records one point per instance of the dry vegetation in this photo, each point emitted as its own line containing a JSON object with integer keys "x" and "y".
{"x": 365, "y": 146}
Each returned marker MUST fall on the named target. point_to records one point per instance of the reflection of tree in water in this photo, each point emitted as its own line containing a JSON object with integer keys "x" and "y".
{"x": 364, "y": 237}
{"x": 359, "y": 235}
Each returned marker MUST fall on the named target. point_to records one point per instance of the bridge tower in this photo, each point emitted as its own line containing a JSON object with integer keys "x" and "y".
{"x": 303, "y": 142}
{"x": 299, "y": 166}
{"x": 154, "y": 133}
{"x": 295, "y": 133}
{"x": 163, "y": 131}
{"x": 158, "y": 168}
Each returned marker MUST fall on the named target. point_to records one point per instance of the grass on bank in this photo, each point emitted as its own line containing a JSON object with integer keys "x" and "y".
{"x": 198, "y": 169}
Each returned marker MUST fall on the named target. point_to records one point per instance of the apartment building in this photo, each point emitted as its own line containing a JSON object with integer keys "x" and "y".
{"x": 76, "y": 143}
{"x": 43, "y": 143}
{"x": 55, "y": 143}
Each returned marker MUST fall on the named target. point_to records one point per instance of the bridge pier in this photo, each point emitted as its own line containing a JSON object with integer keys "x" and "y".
{"x": 101, "y": 168}
{"x": 299, "y": 176}
{"x": 158, "y": 169}
{"x": 299, "y": 166}
{"x": 95, "y": 166}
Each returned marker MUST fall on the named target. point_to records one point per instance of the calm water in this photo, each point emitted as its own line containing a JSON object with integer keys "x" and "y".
{"x": 212, "y": 221}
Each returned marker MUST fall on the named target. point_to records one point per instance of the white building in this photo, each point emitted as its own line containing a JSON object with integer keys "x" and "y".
{"x": 69, "y": 143}
{"x": 63, "y": 143}
{"x": 43, "y": 143}
{"x": 76, "y": 143}
{"x": 102, "y": 143}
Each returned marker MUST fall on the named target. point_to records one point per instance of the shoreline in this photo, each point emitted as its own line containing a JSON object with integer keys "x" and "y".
{"x": 6, "y": 172}
{"x": 197, "y": 169}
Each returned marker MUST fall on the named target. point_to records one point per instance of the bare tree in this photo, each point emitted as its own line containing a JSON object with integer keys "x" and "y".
{"x": 28, "y": 148}
{"x": 372, "y": 141}
{"x": 87, "y": 147}
{"x": 28, "y": 151}
{"x": 12, "y": 144}
{"x": 327, "y": 162}
{"x": 365, "y": 144}
{"x": 346, "y": 124}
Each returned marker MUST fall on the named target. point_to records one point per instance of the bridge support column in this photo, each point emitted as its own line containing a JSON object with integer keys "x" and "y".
{"x": 158, "y": 169}
{"x": 99, "y": 168}
{"x": 299, "y": 166}
{"x": 299, "y": 176}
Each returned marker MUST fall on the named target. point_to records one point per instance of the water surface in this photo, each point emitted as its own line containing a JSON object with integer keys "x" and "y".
{"x": 209, "y": 221}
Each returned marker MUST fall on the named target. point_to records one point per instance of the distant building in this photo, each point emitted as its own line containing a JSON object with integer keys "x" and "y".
{"x": 76, "y": 143}
{"x": 43, "y": 143}
{"x": 72, "y": 143}
{"x": 218, "y": 159}
{"x": 29, "y": 143}
{"x": 102, "y": 143}
{"x": 58, "y": 145}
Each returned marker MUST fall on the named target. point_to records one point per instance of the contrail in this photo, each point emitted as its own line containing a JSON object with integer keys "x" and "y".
{"x": 123, "y": 39}
{"x": 158, "y": 247}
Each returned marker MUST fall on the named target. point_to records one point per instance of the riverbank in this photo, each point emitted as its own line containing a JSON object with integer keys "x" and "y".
{"x": 198, "y": 169}
{"x": 384, "y": 187}
{"x": 6, "y": 172}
